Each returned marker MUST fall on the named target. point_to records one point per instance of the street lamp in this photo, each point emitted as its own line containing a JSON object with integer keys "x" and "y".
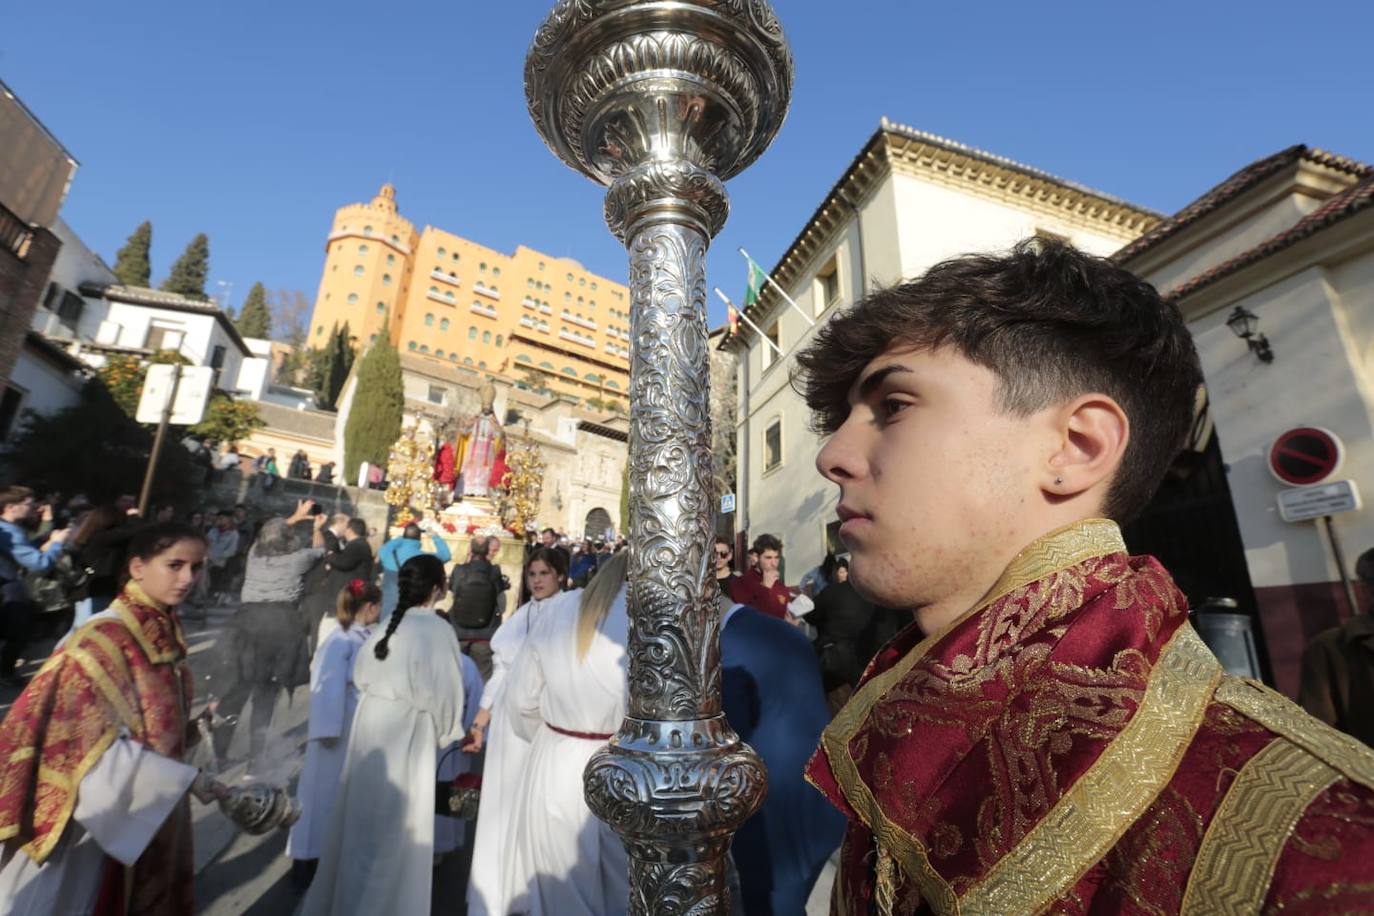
{"x": 662, "y": 100}
{"x": 1244, "y": 324}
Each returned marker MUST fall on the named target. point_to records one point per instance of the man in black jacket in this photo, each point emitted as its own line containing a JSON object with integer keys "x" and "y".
{"x": 351, "y": 559}
{"x": 478, "y": 589}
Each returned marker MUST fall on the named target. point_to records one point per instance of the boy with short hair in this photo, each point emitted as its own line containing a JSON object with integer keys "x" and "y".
{"x": 1050, "y": 733}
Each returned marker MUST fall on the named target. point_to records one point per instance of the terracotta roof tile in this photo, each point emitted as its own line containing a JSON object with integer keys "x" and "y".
{"x": 1233, "y": 187}
{"x": 1349, "y": 202}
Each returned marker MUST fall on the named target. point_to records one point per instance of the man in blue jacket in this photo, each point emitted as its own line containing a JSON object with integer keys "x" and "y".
{"x": 396, "y": 551}
{"x": 19, "y": 555}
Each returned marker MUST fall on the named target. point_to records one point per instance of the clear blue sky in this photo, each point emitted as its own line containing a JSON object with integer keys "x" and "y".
{"x": 253, "y": 121}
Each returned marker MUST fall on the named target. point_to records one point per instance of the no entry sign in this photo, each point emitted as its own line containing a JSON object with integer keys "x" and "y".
{"x": 1305, "y": 455}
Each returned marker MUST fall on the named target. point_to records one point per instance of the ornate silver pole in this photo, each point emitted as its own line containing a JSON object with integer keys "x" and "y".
{"x": 662, "y": 100}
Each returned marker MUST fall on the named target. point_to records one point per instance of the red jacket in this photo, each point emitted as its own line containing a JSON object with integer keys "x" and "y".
{"x": 771, "y": 600}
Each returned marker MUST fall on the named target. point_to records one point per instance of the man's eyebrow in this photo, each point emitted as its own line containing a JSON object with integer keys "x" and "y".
{"x": 867, "y": 386}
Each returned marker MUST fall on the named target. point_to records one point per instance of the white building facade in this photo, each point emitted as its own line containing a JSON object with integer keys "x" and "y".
{"x": 908, "y": 201}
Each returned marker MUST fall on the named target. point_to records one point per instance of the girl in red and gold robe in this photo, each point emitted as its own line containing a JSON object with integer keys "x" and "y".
{"x": 94, "y": 816}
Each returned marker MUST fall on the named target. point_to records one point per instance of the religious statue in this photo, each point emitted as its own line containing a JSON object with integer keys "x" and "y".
{"x": 481, "y": 455}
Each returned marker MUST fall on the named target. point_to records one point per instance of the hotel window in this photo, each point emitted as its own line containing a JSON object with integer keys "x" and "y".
{"x": 434, "y": 290}
{"x": 372, "y": 338}
{"x": 424, "y": 348}
{"x": 827, "y": 291}
{"x": 319, "y": 329}
{"x": 482, "y": 267}
{"x": 352, "y": 298}
{"x": 455, "y": 256}
{"x": 439, "y": 353}
{"x": 570, "y": 278}
{"x": 593, "y": 286}
{"x": 523, "y": 358}
{"x": 467, "y": 360}
{"x": 482, "y": 364}
{"x": 381, "y": 308}
{"x": 496, "y": 271}
{"x": 472, "y": 333}
{"x": 545, "y": 364}
{"x": 358, "y": 270}
{"x": 772, "y": 445}
{"x": 770, "y": 355}
{"x": 391, "y": 259}
{"x": 612, "y": 383}
{"x": 541, "y": 265}
{"x": 412, "y": 345}
{"x": 453, "y": 357}
{"x": 362, "y": 249}
{"x": 436, "y": 394}
{"x": 442, "y": 252}
{"x": 443, "y": 324}
{"x": 395, "y": 239}
{"x": 429, "y": 320}
{"x": 386, "y": 279}
{"x": 486, "y": 337}
{"x": 567, "y": 297}
{"x": 569, "y": 370}
{"x": 367, "y": 230}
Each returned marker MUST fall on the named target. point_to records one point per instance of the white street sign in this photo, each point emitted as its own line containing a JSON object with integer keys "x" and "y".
{"x": 727, "y": 503}
{"x": 1305, "y": 503}
{"x": 193, "y": 392}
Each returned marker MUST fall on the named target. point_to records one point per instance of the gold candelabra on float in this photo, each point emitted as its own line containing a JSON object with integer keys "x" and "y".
{"x": 521, "y": 486}
{"x": 410, "y": 473}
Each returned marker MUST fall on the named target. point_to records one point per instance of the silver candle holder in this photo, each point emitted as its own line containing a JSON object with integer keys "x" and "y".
{"x": 662, "y": 100}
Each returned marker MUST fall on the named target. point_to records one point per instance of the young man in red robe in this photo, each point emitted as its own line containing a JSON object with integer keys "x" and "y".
{"x": 1050, "y": 735}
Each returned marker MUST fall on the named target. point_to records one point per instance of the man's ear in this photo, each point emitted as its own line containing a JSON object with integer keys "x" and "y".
{"x": 1092, "y": 432}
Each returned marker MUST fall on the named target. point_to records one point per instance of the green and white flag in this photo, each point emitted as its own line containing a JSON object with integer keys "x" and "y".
{"x": 756, "y": 277}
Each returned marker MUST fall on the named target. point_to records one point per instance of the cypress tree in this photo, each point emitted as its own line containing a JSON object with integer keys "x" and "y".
{"x": 190, "y": 271}
{"x": 255, "y": 318}
{"x": 132, "y": 267}
{"x": 323, "y": 364}
{"x": 374, "y": 422}
{"x": 340, "y": 362}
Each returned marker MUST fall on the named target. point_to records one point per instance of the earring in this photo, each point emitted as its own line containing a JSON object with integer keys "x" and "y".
{"x": 1058, "y": 481}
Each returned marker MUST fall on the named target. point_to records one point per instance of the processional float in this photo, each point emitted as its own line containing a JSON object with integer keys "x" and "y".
{"x": 662, "y": 100}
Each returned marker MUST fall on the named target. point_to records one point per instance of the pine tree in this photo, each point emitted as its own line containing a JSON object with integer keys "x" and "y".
{"x": 190, "y": 271}
{"x": 255, "y": 318}
{"x": 374, "y": 422}
{"x": 132, "y": 267}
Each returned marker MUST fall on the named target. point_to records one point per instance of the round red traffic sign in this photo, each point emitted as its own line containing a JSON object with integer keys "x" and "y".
{"x": 1305, "y": 455}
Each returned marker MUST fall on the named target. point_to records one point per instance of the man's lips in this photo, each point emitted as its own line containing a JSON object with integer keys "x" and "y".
{"x": 851, "y": 519}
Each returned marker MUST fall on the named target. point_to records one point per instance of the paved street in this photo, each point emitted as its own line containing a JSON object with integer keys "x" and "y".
{"x": 242, "y": 875}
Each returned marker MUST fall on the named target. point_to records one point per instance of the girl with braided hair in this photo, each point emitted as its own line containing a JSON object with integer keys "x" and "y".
{"x": 333, "y": 699}
{"x": 379, "y": 849}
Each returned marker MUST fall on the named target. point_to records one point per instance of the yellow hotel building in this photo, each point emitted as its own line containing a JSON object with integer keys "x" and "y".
{"x": 444, "y": 298}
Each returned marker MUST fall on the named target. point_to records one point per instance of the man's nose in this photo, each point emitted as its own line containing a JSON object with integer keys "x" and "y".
{"x": 840, "y": 459}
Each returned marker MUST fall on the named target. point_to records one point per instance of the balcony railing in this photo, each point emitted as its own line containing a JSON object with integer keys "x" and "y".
{"x": 440, "y": 275}
{"x": 483, "y": 310}
{"x": 440, "y": 297}
{"x": 480, "y": 287}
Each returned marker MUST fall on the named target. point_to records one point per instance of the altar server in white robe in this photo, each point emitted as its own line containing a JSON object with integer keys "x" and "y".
{"x": 450, "y": 832}
{"x": 379, "y": 855}
{"x": 333, "y": 700}
{"x": 545, "y": 571}
{"x": 566, "y": 694}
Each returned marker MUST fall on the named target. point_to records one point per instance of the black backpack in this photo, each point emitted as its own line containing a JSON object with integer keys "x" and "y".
{"x": 474, "y": 596}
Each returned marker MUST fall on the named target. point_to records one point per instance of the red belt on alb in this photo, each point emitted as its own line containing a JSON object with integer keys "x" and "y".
{"x": 586, "y": 736}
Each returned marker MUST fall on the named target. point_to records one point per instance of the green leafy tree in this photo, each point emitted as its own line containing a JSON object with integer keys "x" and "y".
{"x": 132, "y": 267}
{"x": 189, "y": 272}
{"x": 595, "y": 403}
{"x": 341, "y": 354}
{"x": 123, "y": 376}
{"x": 255, "y": 318}
{"x": 228, "y": 420}
{"x": 374, "y": 422}
{"x": 97, "y": 448}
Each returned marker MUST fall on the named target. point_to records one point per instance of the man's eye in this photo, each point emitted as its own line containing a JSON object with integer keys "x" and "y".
{"x": 892, "y": 406}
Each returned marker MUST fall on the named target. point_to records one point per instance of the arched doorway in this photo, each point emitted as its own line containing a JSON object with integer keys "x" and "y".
{"x": 598, "y": 521}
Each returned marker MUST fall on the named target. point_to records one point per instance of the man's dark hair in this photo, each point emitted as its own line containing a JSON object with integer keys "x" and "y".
{"x": 1364, "y": 567}
{"x": 723, "y": 541}
{"x": 479, "y": 546}
{"x": 1052, "y": 323}
{"x": 549, "y": 531}
{"x": 411, "y": 531}
{"x": 11, "y": 495}
{"x": 358, "y": 527}
{"x": 767, "y": 542}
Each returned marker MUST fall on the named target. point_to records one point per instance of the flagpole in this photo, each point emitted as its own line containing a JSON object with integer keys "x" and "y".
{"x": 745, "y": 318}
{"x": 782, "y": 292}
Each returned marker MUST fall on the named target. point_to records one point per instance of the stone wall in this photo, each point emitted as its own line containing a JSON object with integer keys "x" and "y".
{"x": 229, "y": 488}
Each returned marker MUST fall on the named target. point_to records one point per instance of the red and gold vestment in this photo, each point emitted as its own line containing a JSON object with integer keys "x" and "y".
{"x": 1071, "y": 746}
{"x": 123, "y": 671}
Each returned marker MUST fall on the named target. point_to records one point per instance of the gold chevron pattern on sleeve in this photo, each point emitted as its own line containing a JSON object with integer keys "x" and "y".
{"x": 1242, "y": 844}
